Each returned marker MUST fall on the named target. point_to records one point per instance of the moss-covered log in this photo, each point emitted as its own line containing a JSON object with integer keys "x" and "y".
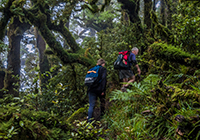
{"x": 167, "y": 96}
{"x": 183, "y": 95}
{"x": 174, "y": 55}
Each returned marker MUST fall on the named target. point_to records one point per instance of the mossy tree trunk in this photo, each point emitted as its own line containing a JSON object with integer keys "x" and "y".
{"x": 15, "y": 32}
{"x": 147, "y": 9}
{"x": 44, "y": 65}
{"x": 66, "y": 46}
{"x": 148, "y": 34}
{"x": 165, "y": 33}
{"x": 162, "y": 12}
{"x": 154, "y": 5}
{"x": 154, "y": 9}
{"x": 132, "y": 7}
{"x": 169, "y": 13}
{"x": 2, "y": 76}
{"x": 5, "y": 17}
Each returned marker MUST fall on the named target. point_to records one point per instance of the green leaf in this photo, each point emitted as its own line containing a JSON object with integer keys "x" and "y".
{"x": 21, "y": 123}
{"x": 11, "y": 129}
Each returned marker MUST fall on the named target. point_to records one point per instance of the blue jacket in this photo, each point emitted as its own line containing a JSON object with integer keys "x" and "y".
{"x": 132, "y": 60}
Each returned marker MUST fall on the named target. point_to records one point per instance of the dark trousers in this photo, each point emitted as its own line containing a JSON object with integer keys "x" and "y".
{"x": 92, "y": 101}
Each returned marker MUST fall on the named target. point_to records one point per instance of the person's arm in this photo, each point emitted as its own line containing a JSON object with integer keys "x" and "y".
{"x": 104, "y": 73}
{"x": 135, "y": 63}
{"x": 138, "y": 69}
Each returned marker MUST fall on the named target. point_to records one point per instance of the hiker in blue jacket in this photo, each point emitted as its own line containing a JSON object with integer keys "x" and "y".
{"x": 98, "y": 90}
{"x": 128, "y": 73}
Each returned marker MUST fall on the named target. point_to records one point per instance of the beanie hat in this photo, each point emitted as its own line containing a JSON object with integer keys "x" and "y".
{"x": 100, "y": 61}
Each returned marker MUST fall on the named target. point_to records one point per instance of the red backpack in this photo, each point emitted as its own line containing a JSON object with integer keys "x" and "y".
{"x": 122, "y": 60}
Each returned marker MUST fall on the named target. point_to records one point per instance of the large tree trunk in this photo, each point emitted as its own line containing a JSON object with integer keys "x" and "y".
{"x": 162, "y": 13}
{"x": 154, "y": 5}
{"x": 5, "y": 17}
{"x": 132, "y": 7}
{"x": 147, "y": 9}
{"x": 12, "y": 76}
{"x": 154, "y": 9}
{"x": 2, "y": 76}
{"x": 169, "y": 13}
{"x": 43, "y": 61}
{"x": 16, "y": 29}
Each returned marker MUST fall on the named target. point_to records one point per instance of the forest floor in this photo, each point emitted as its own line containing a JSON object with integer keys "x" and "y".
{"x": 97, "y": 110}
{"x": 96, "y": 114}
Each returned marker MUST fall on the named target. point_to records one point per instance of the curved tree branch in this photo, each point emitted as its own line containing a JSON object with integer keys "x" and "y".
{"x": 66, "y": 34}
{"x": 39, "y": 20}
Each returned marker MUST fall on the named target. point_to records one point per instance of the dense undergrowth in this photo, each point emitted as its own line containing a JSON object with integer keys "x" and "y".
{"x": 20, "y": 121}
{"x": 153, "y": 109}
{"x": 163, "y": 104}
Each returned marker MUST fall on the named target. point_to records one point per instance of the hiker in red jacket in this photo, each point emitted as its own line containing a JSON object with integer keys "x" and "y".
{"x": 125, "y": 74}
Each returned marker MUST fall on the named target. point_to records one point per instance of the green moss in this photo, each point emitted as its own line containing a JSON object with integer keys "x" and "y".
{"x": 173, "y": 54}
{"x": 76, "y": 115}
{"x": 181, "y": 94}
{"x": 160, "y": 29}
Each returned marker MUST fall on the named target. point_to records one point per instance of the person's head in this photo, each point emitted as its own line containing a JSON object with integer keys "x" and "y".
{"x": 135, "y": 50}
{"x": 101, "y": 62}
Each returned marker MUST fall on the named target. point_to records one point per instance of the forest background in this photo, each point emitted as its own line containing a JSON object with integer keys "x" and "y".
{"x": 47, "y": 46}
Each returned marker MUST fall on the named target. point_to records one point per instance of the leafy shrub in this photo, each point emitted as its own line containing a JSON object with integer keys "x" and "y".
{"x": 150, "y": 111}
{"x": 18, "y": 121}
{"x": 90, "y": 131}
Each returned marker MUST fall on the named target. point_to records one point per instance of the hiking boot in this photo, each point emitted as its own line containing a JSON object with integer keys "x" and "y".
{"x": 123, "y": 89}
